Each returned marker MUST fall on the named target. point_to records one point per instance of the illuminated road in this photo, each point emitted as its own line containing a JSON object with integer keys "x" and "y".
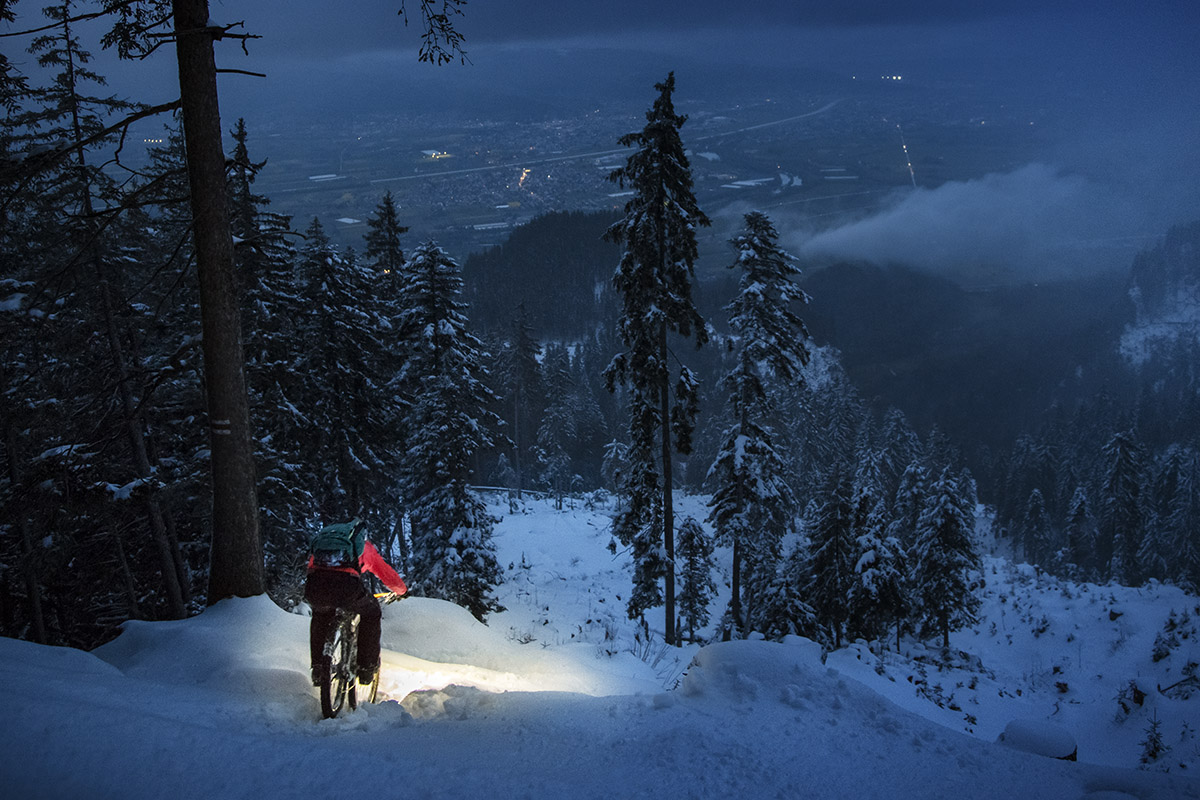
{"x": 820, "y": 110}
{"x": 596, "y": 154}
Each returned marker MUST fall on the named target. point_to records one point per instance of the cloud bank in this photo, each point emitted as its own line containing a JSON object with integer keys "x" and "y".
{"x": 1035, "y": 223}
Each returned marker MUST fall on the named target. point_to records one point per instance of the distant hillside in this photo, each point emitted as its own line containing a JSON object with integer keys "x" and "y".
{"x": 980, "y": 365}
{"x": 557, "y": 265}
{"x": 1166, "y": 295}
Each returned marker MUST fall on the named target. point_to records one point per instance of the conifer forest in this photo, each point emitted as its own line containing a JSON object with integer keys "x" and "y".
{"x": 194, "y": 381}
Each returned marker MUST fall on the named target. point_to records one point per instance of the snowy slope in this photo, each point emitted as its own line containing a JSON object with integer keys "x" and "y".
{"x": 545, "y": 703}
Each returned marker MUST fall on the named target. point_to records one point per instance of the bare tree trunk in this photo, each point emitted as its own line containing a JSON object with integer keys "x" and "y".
{"x": 126, "y": 574}
{"x": 137, "y": 444}
{"x": 668, "y": 507}
{"x": 33, "y": 588}
{"x": 237, "y": 553}
{"x": 398, "y": 544}
{"x": 182, "y": 571}
{"x": 181, "y": 567}
{"x": 517, "y": 435}
{"x": 735, "y": 602}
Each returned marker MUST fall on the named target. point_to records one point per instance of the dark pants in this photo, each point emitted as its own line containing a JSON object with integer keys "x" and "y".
{"x": 327, "y": 591}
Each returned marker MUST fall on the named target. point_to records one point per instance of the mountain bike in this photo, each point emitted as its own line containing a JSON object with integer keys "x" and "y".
{"x": 339, "y": 684}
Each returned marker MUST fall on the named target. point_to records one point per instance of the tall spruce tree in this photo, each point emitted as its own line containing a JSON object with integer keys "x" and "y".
{"x": 876, "y": 597}
{"x": 1122, "y": 514}
{"x": 384, "y": 253}
{"x": 385, "y": 259}
{"x": 654, "y": 280}
{"x": 945, "y": 556}
{"x": 520, "y": 378}
{"x": 1080, "y": 533}
{"x": 273, "y": 316}
{"x": 447, "y": 422}
{"x": 833, "y": 555}
{"x": 753, "y": 505}
{"x": 1185, "y": 523}
{"x": 878, "y": 593}
{"x": 1035, "y": 530}
{"x": 557, "y": 430}
{"x": 341, "y": 398}
{"x": 696, "y": 584}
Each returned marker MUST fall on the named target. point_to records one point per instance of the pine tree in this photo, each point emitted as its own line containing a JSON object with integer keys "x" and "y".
{"x": 1153, "y": 746}
{"x": 557, "y": 431}
{"x": 654, "y": 280}
{"x": 1081, "y": 536}
{"x": 385, "y": 261}
{"x": 520, "y": 378}
{"x": 272, "y": 312}
{"x": 832, "y": 560}
{"x": 447, "y": 422}
{"x": 910, "y": 502}
{"x": 384, "y": 253}
{"x": 1185, "y": 522}
{"x": 753, "y": 505}
{"x": 589, "y": 427}
{"x": 342, "y": 390}
{"x": 236, "y": 564}
{"x": 782, "y": 610}
{"x": 1121, "y": 523}
{"x": 944, "y": 557}
{"x": 1035, "y": 528}
{"x": 876, "y": 596}
{"x": 1163, "y": 540}
{"x": 87, "y": 253}
{"x": 901, "y": 447}
{"x": 696, "y": 584}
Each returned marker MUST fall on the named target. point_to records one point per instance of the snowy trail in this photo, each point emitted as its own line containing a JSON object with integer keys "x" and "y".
{"x": 549, "y": 701}
{"x": 753, "y": 719}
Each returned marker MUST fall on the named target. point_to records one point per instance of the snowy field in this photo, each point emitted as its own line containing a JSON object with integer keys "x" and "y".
{"x": 558, "y": 697}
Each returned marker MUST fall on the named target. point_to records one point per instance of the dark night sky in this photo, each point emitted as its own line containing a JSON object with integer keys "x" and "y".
{"x": 1106, "y": 45}
{"x": 325, "y": 27}
{"x": 1123, "y": 76}
{"x": 1110, "y": 44}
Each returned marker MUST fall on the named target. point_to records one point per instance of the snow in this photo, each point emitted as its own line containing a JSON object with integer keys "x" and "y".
{"x": 1036, "y": 736}
{"x": 13, "y": 302}
{"x": 559, "y": 696}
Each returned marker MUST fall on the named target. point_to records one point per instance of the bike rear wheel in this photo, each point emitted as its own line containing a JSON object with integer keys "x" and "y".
{"x": 339, "y": 678}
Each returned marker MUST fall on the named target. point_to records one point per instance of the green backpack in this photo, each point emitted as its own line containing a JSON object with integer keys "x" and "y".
{"x": 339, "y": 545}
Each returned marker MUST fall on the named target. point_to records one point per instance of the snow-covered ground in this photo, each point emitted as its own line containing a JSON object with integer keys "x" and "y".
{"x": 558, "y": 696}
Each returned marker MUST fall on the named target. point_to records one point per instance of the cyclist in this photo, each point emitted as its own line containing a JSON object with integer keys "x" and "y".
{"x": 339, "y": 554}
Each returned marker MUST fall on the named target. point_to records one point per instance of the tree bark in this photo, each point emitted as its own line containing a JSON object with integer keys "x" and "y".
{"x": 33, "y": 587}
{"x": 735, "y": 602}
{"x": 126, "y": 574}
{"x": 236, "y": 557}
{"x": 517, "y": 431}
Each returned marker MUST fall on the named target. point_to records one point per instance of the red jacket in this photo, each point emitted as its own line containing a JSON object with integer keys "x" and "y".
{"x": 372, "y": 562}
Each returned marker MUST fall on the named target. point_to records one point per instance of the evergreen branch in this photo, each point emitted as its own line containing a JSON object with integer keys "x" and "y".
{"x": 58, "y": 23}
{"x": 44, "y": 162}
{"x": 440, "y": 42}
{"x": 243, "y": 72}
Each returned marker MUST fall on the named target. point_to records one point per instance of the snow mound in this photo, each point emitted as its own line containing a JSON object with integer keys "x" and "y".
{"x": 1040, "y": 738}
{"x": 228, "y": 642}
